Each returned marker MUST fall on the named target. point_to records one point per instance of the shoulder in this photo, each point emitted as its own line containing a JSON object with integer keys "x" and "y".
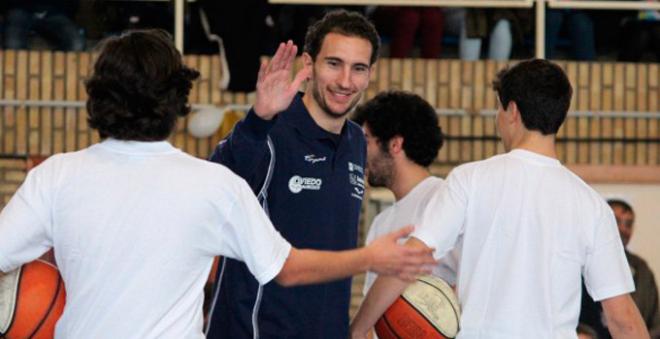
{"x": 467, "y": 170}
{"x": 588, "y": 195}
{"x": 436, "y": 183}
{"x": 296, "y": 108}
{"x": 353, "y": 126}
{"x": 207, "y": 168}
{"x": 60, "y": 162}
{"x": 499, "y": 160}
{"x": 427, "y": 188}
{"x": 355, "y": 131}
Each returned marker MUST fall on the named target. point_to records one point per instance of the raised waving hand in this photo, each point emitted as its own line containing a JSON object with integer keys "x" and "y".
{"x": 275, "y": 88}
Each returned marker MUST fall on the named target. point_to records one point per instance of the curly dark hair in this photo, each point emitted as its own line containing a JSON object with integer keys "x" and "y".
{"x": 346, "y": 23}
{"x": 398, "y": 113}
{"x": 541, "y": 91}
{"x": 139, "y": 87}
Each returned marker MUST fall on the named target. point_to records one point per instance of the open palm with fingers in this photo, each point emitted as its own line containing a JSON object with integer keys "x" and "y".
{"x": 406, "y": 262}
{"x": 275, "y": 88}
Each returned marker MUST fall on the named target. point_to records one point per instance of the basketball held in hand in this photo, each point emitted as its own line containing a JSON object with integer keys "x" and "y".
{"x": 428, "y": 309}
{"x": 31, "y": 301}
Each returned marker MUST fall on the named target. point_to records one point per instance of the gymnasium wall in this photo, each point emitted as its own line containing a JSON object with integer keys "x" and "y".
{"x": 613, "y": 126}
{"x": 461, "y": 89}
{"x": 623, "y": 131}
{"x": 12, "y": 174}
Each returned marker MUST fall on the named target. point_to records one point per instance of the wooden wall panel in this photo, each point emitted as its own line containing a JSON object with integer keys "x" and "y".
{"x": 12, "y": 174}
{"x": 653, "y": 88}
{"x": 447, "y": 84}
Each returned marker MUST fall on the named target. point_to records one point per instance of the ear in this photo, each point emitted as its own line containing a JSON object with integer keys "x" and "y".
{"x": 308, "y": 65}
{"x": 308, "y": 61}
{"x": 396, "y": 145}
{"x": 372, "y": 71}
{"x": 513, "y": 114}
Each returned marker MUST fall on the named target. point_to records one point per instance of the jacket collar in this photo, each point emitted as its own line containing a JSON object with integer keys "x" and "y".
{"x": 302, "y": 120}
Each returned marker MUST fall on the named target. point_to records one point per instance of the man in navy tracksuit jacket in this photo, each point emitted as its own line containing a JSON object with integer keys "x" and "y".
{"x": 305, "y": 161}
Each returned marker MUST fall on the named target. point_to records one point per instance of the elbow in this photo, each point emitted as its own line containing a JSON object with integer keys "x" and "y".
{"x": 287, "y": 278}
{"x": 285, "y": 281}
{"x": 290, "y": 275}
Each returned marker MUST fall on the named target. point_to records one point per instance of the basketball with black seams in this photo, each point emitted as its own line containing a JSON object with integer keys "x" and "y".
{"x": 427, "y": 309}
{"x": 32, "y": 299}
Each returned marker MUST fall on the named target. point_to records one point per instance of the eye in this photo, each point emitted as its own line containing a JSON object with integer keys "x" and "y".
{"x": 361, "y": 68}
{"x": 333, "y": 63}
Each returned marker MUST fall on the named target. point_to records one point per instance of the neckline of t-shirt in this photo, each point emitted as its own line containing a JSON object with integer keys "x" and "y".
{"x": 427, "y": 181}
{"x": 138, "y": 147}
{"x": 536, "y": 157}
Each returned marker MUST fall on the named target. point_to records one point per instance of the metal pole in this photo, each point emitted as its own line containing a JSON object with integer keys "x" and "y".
{"x": 540, "y": 29}
{"x": 82, "y": 104}
{"x": 178, "y": 24}
{"x": 442, "y": 3}
{"x": 606, "y": 5}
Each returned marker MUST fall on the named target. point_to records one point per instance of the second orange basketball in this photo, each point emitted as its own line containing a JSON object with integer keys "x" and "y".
{"x": 427, "y": 309}
{"x": 31, "y": 301}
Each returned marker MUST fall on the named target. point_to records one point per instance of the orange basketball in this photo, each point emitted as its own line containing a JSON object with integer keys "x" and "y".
{"x": 427, "y": 309}
{"x": 31, "y": 301}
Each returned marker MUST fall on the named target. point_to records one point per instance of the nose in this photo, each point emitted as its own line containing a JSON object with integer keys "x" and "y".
{"x": 344, "y": 80}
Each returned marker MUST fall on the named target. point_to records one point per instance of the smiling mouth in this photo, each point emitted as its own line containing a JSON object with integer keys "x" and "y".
{"x": 342, "y": 97}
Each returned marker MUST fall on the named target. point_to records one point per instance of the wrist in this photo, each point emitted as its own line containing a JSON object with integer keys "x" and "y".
{"x": 263, "y": 112}
{"x": 369, "y": 258}
{"x": 255, "y": 126}
{"x": 356, "y": 333}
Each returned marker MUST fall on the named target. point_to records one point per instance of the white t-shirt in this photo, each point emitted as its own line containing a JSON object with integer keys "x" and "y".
{"x": 530, "y": 229}
{"x": 135, "y": 227}
{"x": 409, "y": 211}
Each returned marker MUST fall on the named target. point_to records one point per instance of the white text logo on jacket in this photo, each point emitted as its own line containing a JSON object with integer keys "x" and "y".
{"x": 298, "y": 183}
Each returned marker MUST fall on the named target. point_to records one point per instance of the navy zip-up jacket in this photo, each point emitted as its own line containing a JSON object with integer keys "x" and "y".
{"x": 311, "y": 184}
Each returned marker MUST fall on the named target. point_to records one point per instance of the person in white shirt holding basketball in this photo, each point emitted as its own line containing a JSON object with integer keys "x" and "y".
{"x": 136, "y": 223}
{"x": 531, "y": 229}
{"x": 403, "y": 139}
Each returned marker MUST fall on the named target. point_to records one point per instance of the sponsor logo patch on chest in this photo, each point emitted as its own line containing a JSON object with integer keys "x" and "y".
{"x": 297, "y": 184}
{"x": 314, "y": 159}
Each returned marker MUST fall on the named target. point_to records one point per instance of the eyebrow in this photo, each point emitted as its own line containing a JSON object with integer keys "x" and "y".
{"x": 331, "y": 58}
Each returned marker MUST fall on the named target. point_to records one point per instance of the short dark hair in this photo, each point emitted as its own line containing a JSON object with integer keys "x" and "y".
{"x": 343, "y": 22}
{"x": 139, "y": 87}
{"x": 541, "y": 91}
{"x": 621, "y": 204}
{"x": 398, "y": 113}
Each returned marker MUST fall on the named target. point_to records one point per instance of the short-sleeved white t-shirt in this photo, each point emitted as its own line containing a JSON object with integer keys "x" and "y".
{"x": 531, "y": 229}
{"x": 135, "y": 227}
{"x": 408, "y": 211}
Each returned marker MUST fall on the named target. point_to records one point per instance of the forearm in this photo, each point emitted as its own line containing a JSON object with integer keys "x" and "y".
{"x": 382, "y": 294}
{"x": 302, "y": 267}
{"x": 255, "y": 127}
{"x": 628, "y": 330}
{"x": 249, "y": 134}
{"x": 246, "y": 151}
{"x": 623, "y": 318}
{"x": 383, "y": 256}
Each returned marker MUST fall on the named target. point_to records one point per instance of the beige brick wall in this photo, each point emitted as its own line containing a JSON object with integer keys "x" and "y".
{"x": 12, "y": 173}
{"x": 448, "y": 84}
